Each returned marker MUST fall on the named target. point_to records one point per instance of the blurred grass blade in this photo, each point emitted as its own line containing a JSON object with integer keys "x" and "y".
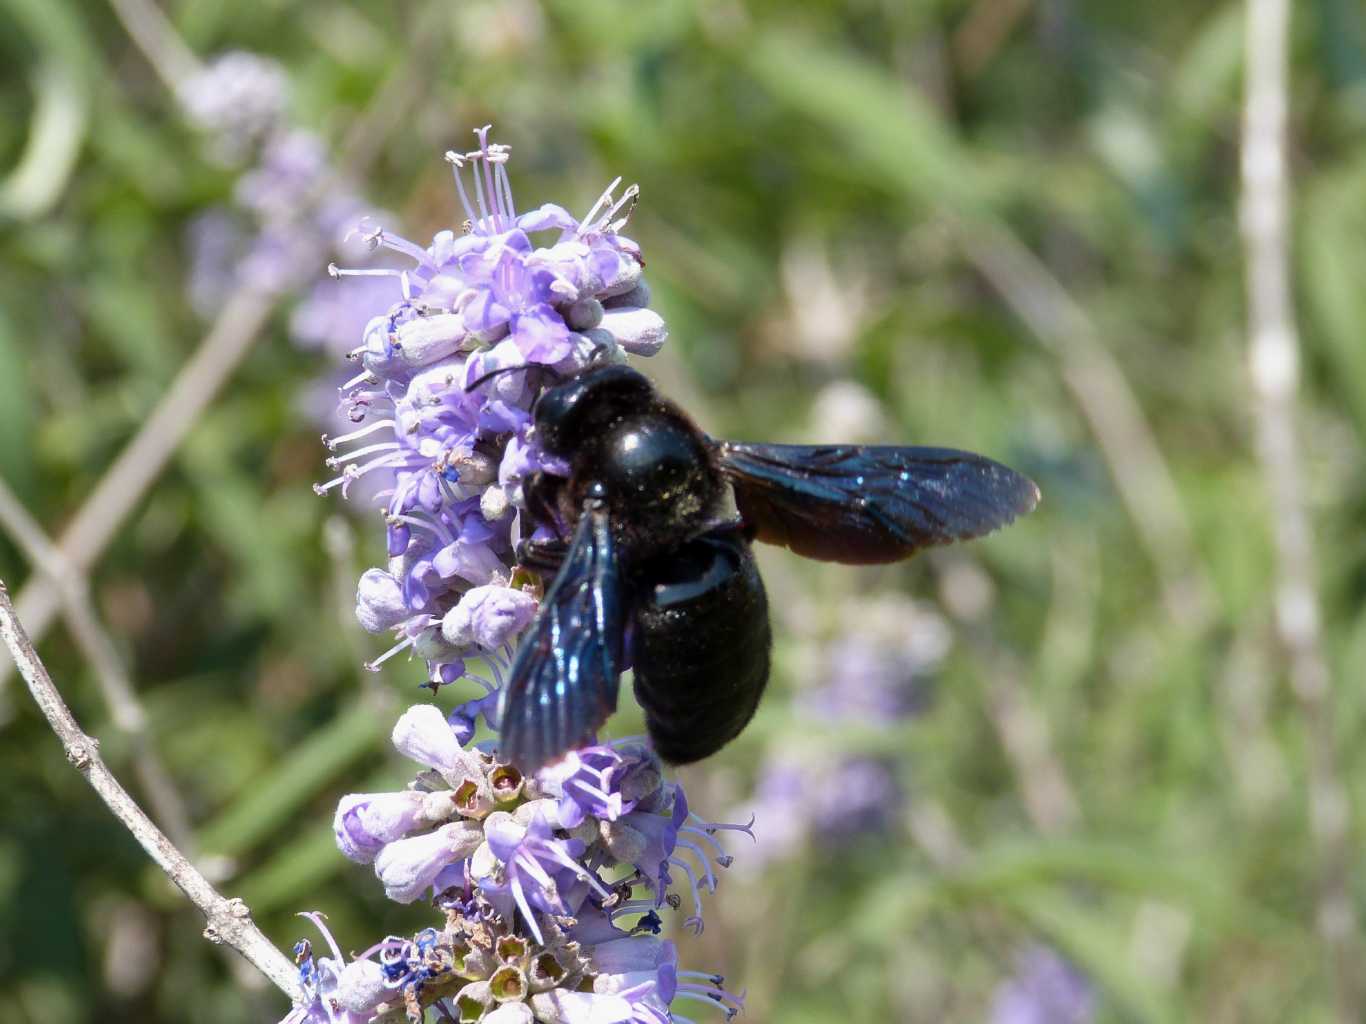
{"x": 1207, "y": 79}
{"x": 311, "y": 768}
{"x": 302, "y": 866}
{"x": 16, "y": 413}
{"x": 1333, "y": 275}
{"x": 54, "y": 141}
{"x": 299, "y": 868}
{"x": 882, "y": 120}
{"x": 1099, "y": 950}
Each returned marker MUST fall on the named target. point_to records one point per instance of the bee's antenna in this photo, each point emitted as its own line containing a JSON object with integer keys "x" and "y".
{"x": 554, "y": 373}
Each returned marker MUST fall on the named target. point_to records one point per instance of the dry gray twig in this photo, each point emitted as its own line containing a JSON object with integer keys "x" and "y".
{"x": 228, "y": 920}
{"x": 1274, "y": 358}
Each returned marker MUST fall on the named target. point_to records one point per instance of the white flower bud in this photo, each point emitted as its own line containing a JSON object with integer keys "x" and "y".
{"x": 640, "y": 331}
{"x": 425, "y": 339}
{"x": 494, "y": 504}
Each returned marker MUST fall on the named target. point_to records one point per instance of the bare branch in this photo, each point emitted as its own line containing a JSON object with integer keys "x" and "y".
{"x": 1274, "y": 358}
{"x": 125, "y": 709}
{"x": 228, "y": 920}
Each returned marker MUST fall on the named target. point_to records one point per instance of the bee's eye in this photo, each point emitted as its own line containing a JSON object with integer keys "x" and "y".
{"x": 570, "y": 412}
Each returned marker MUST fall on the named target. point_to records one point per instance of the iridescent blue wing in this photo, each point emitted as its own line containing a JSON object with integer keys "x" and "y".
{"x": 867, "y": 504}
{"x": 563, "y": 682}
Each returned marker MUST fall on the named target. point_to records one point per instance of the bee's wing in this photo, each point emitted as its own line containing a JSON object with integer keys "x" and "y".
{"x": 867, "y": 504}
{"x": 563, "y": 681}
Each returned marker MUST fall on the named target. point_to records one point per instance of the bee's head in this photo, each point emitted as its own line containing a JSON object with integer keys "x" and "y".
{"x": 568, "y": 413}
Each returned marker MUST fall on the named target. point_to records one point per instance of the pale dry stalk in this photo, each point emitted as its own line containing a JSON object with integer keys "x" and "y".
{"x": 1274, "y": 358}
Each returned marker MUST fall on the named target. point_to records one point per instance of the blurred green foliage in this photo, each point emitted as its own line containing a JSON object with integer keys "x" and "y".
{"x": 818, "y": 182}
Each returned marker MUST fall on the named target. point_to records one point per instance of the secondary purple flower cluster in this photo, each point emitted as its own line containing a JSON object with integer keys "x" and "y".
{"x": 1045, "y": 989}
{"x": 549, "y": 889}
{"x": 454, "y": 450}
{"x": 240, "y": 102}
{"x": 875, "y": 674}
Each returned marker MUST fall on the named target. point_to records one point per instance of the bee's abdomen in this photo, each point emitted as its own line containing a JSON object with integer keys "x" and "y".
{"x": 701, "y": 646}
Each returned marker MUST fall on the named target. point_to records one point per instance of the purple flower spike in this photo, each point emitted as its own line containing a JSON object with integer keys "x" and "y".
{"x": 451, "y": 461}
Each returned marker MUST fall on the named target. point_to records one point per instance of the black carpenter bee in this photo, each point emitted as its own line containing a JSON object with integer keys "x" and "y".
{"x": 657, "y": 570}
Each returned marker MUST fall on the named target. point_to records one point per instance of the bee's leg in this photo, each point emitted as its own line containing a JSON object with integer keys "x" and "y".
{"x": 541, "y": 491}
{"x": 729, "y": 527}
{"x": 545, "y": 556}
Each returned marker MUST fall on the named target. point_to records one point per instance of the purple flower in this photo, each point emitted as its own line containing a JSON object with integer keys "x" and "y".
{"x": 1045, "y": 989}
{"x": 380, "y": 602}
{"x": 408, "y": 867}
{"x": 464, "y": 718}
{"x": 537, "y": 869}
{"x": 519, "y": 300}
{"x": 601, "y": 782}
{"x": 423, "y": 735}
{"x": 877, "y": 670}
{"x": 365, "y": 822}
{"x": 643, "y": 970}
{"x": 319, "y": 979}
{"x": 626, "y": 963}
{"x": 658, "y": 838}
{"x": 238, "y": 99}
